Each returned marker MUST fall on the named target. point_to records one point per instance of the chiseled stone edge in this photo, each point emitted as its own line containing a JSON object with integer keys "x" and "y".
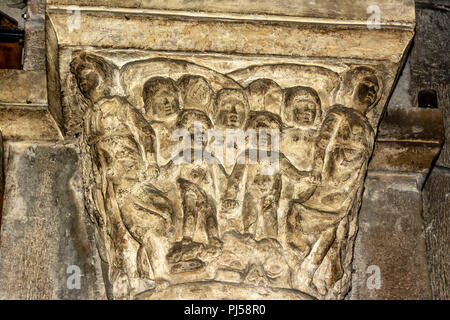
{"x": 345, "y": 11}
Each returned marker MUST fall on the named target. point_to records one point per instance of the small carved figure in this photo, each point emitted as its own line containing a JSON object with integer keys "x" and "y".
{"x": 342, "y": 153}
{"x": 122, "y": 145}
{"x": 162, "y": 105}
{"x": 265, "y": 95}
{"x": 231, "y": 108}
{"x": 303, "y": 114}
{"x": 196, "y": 182}
{"x": 261, "y": 189}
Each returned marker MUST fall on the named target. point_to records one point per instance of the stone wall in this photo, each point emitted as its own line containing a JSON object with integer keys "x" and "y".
{"x": 45, "y": 228}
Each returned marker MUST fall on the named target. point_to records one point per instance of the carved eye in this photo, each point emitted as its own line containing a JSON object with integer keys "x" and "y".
{"x": 351, "y": 155}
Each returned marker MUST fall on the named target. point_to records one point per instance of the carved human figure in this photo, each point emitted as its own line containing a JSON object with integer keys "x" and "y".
{"x": 122, "y": 146}
{"x": 231, "y": 107}
{"x": 302, "y": 114}
{"x": 230, "y": 110}
{"x": 259, "y": 263}
{"x": 343, "y": 149}
{"x": 196, "y": 93}
{"x": 256, "y": 184}
{"x": 265, "y": 95}
{"x": 162, "y": 105}
{"x": 196, "y": 182}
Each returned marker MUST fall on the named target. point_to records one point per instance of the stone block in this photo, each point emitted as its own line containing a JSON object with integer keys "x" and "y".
{"x": 45, "y": 228}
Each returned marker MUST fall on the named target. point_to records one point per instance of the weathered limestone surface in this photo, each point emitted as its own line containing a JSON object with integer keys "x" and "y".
{"x": 391, "y": 238}
{"x": 429, "y": 66}
{"x": 437, "y": 217}
{"x": 45, "y": 228}
{"x": 124, "y": 79}
{"x": 34, "y": 51}
{"x": 263, "y": 51}
{"x": 23, "y": 106}
{"x": 394, "y": 12}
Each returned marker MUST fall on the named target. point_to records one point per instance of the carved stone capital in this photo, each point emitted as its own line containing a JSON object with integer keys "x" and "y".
{"x": 224, "y": 151}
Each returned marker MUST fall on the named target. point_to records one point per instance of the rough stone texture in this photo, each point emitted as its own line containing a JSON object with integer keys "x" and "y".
{"x": 34, "y": 51}
{"x": 394, "y": 12}
{"x": 391, "y": 237}
{"x": 23, "y": 123}
{"x": 409, "y": 140}
{"x": 23, "y": 106}
{"x": 45, "y": 228}
{"x": 401, "y": 97}
{"x": 23, "y": 88}
{"x": 437, "y": 217}
{"x": 430, "y": 67}
{"x": 391, "y": 231}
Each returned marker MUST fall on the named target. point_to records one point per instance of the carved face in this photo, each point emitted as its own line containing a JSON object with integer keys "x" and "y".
{"x": 366, "y": 93}
{"x": 164, "y": 103}
{"x": 302, "y": 109}
{"x": 230, "y": 110}
{"x": 88, "y": 81}
{"x": 266, "y": 124}
{"x": 304, "y": 112}
{"x": 196, "y": 123}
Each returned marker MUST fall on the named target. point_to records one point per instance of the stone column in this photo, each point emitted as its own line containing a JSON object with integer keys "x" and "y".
{"x": 390, "y": 252}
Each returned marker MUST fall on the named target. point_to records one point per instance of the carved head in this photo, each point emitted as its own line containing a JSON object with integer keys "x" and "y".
{"x": 265, "y": 95}
{"x": 196, "y": 92}
{"x": 362, "y": 89}
{"x": 196, "y": 122}
{"x": 94, "y": 75}
{"x": 161, "y": 98}
{"x": 264, "y": 121}
{"x": 230, "y": 108}
{"x": 302, "y": 107}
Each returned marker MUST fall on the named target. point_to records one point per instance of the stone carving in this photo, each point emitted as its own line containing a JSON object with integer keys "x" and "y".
{"x": 283, "y": 221}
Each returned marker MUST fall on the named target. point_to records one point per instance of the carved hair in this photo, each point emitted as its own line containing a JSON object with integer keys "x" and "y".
{"x": 238, "y": 94}
{"x": 153, "y": 85}
{"x": 268, "y": 120}
{"x": 257, "y": 92}
{"x": 188, "y": 117}
{"x": 187, "y": 82}
{"x": 86, "y": 61}
{"x": 355, "y": 75}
